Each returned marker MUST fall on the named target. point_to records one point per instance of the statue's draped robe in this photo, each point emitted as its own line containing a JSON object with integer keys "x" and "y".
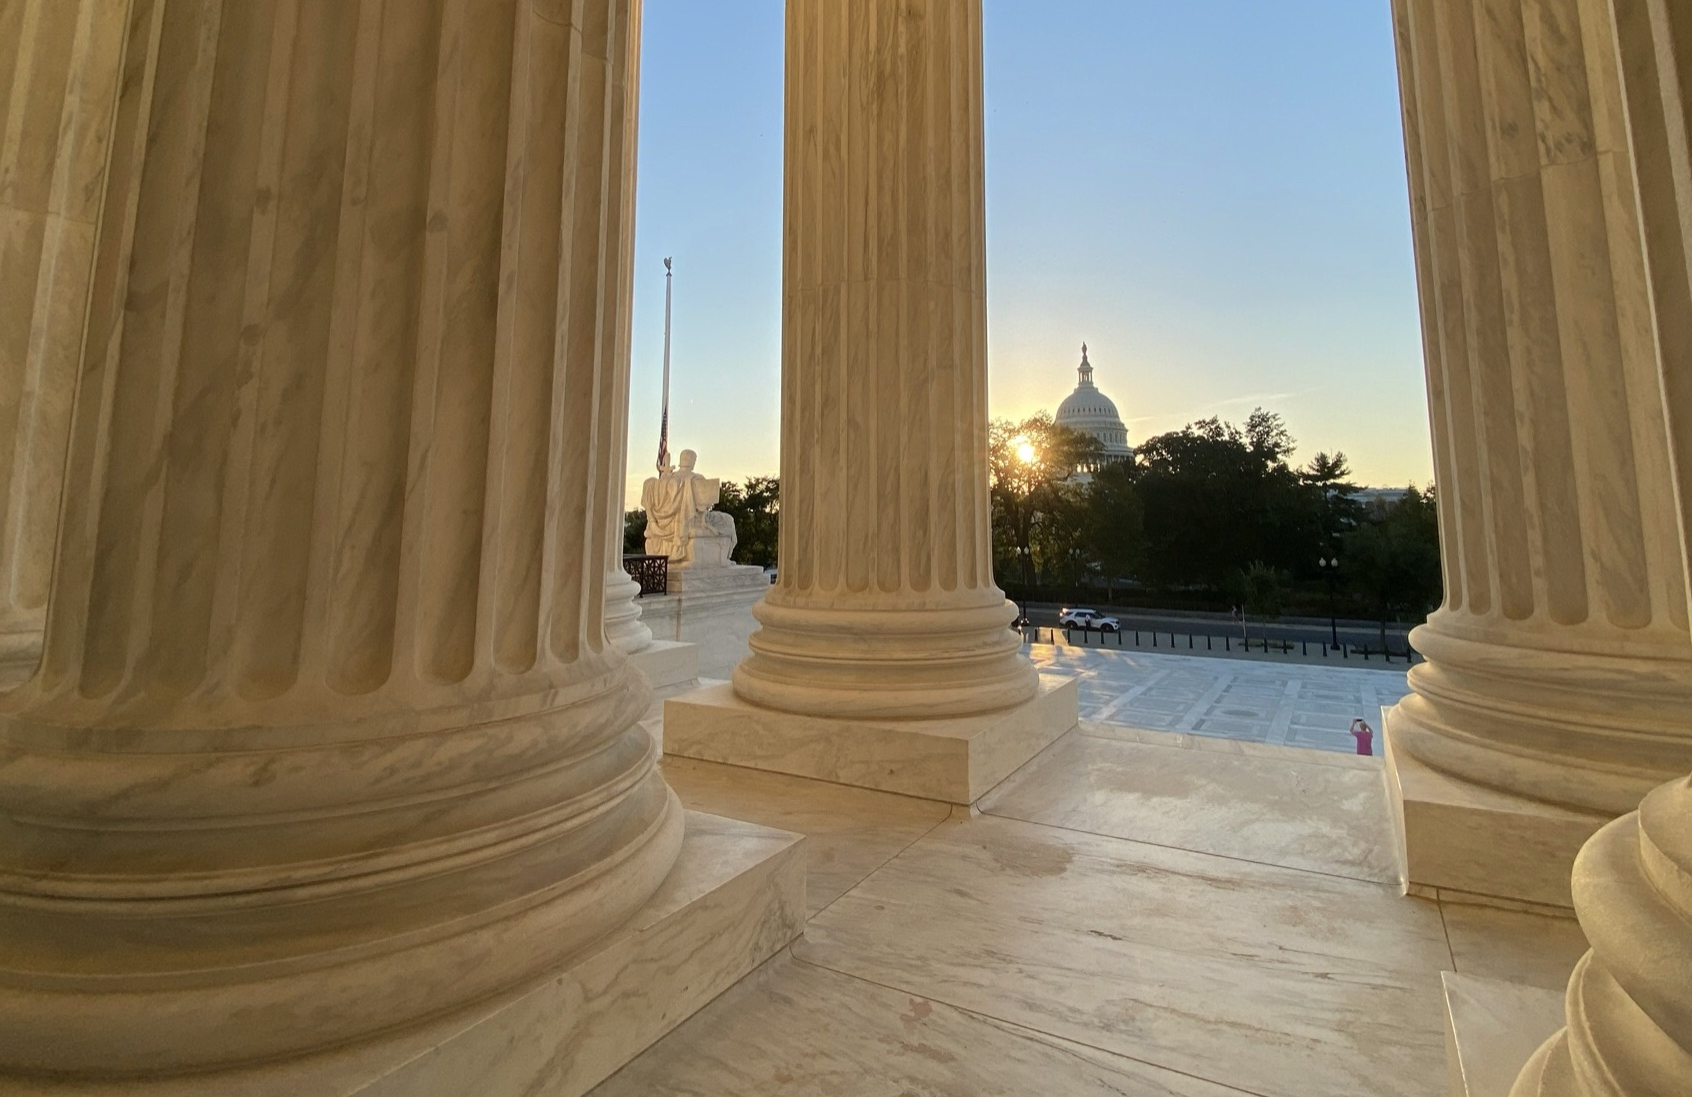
{"x": 675, "y": 504}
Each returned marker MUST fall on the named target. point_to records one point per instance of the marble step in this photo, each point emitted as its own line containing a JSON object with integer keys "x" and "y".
{"x": 1492, "y": 1028}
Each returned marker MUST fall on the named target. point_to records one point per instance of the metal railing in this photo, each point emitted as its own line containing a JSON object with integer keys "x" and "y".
{"x": 1180, "y": 642}
{"x": 651, "y": 572}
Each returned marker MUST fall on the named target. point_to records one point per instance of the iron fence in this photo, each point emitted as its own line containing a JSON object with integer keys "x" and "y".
{"x": 651, "y": 572}
{"x": 1179, "y": 642}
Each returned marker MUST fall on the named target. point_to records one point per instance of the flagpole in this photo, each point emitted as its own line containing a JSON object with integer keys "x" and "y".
{"x": 664, "y": 421}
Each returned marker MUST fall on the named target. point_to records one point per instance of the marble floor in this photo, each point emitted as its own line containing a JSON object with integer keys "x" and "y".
{"x": 1283, "y": 703}
{"x": 1133, "y": 912}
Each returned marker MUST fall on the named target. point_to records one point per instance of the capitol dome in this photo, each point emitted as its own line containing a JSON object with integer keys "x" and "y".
{"x": 1089, "y": 411}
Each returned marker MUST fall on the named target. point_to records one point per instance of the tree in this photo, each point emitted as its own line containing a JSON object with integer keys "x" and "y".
{"x": 1114, "y": 524}
{"x": 1218, "y": 498}
{"x": 1031, "y": 464}
{"x": 1058, "y": 535}
{"x": 634, "y": 533}
{"x": 1337, "y": 510}
{"x": 1262, "y": 590}
{"x": 756, "y": 509}
{"x": 1391, "y": 558}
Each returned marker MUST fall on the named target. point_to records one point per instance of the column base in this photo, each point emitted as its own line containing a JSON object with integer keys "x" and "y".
{"x": 1492, "y": 1028}
{"x": 1487, "y": 844}
{"x": 955, "y": 760}
{"x": 735, "y": 898}
{"x": 667, "y": 663}
{"x": 20, "y": 653}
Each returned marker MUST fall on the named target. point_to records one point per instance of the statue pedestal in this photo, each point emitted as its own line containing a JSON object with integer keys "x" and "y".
{"x": 699, "y": 579}
{"x": 957, "y": 760}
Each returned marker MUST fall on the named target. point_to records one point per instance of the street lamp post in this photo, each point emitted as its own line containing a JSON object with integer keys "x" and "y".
{"x": 1028, "y": 456}
{"x": 1330, "y": 572}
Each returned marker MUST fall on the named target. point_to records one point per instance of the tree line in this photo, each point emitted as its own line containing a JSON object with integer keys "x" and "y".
{"x": 1211, "y": 516}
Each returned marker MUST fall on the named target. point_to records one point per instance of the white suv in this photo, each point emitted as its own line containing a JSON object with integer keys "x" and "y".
{"x": 1090, "y": 619}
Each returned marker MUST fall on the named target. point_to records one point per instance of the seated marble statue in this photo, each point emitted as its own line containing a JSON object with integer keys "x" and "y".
{"x": 678, "y": 502}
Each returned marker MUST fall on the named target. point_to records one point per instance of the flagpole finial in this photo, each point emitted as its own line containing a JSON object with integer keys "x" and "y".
{"x": 667, "y": 264}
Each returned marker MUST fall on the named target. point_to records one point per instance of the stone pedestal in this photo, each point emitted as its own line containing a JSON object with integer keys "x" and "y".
{"x": 60, "y": 60}
{"x": 957, "y": 760}
{"x": 1447, "y": 829}
{"x": 1559, "y": 669}
{"x": 710, "y": 567}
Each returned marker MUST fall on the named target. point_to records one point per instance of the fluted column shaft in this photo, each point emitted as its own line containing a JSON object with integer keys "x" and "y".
{"x": 326, "y": 731}
{"x": 1559, "y": 666}
{"x": 1629, "y": 1002}
{"x": 886, "y": 603}
{"x": 623, "y": 626}
{"x": 58, "y": 84}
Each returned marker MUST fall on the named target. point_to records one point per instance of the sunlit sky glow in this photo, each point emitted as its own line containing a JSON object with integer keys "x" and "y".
{"x": 1209, "y": 193}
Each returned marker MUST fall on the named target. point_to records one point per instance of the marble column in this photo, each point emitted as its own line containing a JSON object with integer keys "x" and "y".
{"x": 1559, "y": 667}
{"x": 1629, "y": 1002}
{"x": 326, "y": 738}
{"x": 886, "y": 605}
{"x": 623, "y": 626}
{"x": 1629, "y": 1005}
{"x": 58, "y": 84}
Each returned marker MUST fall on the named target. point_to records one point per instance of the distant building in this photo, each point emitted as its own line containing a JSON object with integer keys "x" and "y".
{"x": 1089, "y": 411}
{"x": 1380, "y": 497}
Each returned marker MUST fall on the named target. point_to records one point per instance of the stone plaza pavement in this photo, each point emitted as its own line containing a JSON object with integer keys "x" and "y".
{"x": 1134, "y": 912}
{"x": 1287, "y": 704}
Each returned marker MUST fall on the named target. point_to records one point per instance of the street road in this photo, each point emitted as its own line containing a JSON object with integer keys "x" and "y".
{"x": 1354, "y": 633}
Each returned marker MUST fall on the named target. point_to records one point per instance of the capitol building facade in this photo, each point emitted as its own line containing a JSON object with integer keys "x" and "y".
{"x": 1089, "y": 411}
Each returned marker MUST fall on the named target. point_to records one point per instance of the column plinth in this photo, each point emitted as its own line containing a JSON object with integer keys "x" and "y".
{"x": 327, "y": 739}
{"x": 1559, "y": 669}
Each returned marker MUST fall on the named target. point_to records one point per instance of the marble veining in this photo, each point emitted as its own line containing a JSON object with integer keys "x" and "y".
{"x": 1314, "y": 816}
{"x": 1201, "y": 970}
{"x": 1285, "y": 983}
{"x": 802, "y": 1031}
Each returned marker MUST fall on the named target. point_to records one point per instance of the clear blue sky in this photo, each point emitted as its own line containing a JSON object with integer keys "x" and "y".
{"x": 1210, "y": 193}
